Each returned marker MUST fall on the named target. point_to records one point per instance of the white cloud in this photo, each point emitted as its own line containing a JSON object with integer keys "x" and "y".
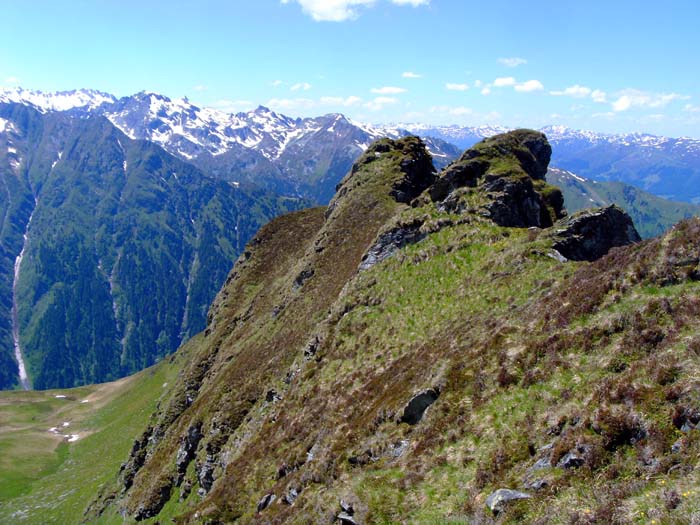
{"x": 690, "y": 108}
{"x": 455, "y": 111}
{"x": 512, "y": 61}
{"x": 11, "y": 80}
{"x": 630, "y": 98}
{"x": 330, "y": 10}
{"x": 599, "y": 96}
{"x": 276, "y": 83}
{"x": 573, "y": 91}
{"x": 577, "y": 91}
{"x": 461, "y": 111}
{"x": 233, "y": 106}
{"x": 504, "y": 82}
{"x": 303, "y": 86}
{"x": 486, "y": 90}
{"x": 340, "y": 10}
{"x": 388, "y": 90}
{"x": 529, "y": 86}
{"x": 410, "y": 74}
{"x": 414, "y": 3}
{"x": 478, "y": 83}
{"x": 200, "y": 88}
{"x": 379, "y": 102}
{"x": 287, "y": 104}
{"x": 322, "y": 103}
{"x": 456, "y": 87}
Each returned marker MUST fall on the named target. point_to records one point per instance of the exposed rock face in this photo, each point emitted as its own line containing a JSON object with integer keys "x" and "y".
{"x": 416, "y": 407}
{"x": 590, "y": 234}
{"x": 411, "y": 171}
{"x": 187, "y": 449}
{"x": 515, "y": 203}
{"x": 498, "y": 500}
{"x": 509, "y": 171}
{"x": 266, "y": 501}
{"x": 388, "y": 243}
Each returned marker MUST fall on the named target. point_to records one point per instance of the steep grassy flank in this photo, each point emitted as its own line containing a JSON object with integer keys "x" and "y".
{"x": 44, "y": 478}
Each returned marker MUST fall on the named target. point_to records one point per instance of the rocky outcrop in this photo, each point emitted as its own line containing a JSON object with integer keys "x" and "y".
{"x": 508, "y": 170}
{"x": 417, "y": 169}
{"x": 516, "y": 203}
{"x": 499, "y": 500}
{"x": 416, "y": 407}
{"x": 389, "y": 242}
{"x": 403, "y": 166}
{"x": 590, "y": 234}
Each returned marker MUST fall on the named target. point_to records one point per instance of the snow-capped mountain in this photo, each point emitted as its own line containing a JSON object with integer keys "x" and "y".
{"x": 58, "y": 101}
{"x": 301, "y": 156}
{"x": 308, "y": 156}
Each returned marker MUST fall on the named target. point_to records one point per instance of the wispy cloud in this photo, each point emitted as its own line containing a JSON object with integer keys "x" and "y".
{"x": 233, "y": 106}
{"x": 378, "y": 103}
{"x": 690, "y": 108}
{"x": 276, "y": 83}
{"x": 414, "y": 3}
{"x": 300, "y": 86}
{"x": 577, "y": 91}
{"x": 456, "y": 87}
{"x": 504, "y": 82}
{"x": 199, "y": 88}
{"x": 599, "y": 96}
{"x": 388, "y": 90}
{"x": 455, "y": 111}
{"x": 341, "y": 10}
{"x": 291, "y": 104}
{"x": 11, "y": 80}
{"x": 410, "y": 74}
{"x": 321, "y": 104}
{"x": 529, "y": 86}
{"x": 512, "y": 61}
{"x": 634, "y": 98}
{"x": 573, "y": 91}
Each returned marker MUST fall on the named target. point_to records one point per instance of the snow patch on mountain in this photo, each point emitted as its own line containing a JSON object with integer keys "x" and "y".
{"x": 59, "y": 101}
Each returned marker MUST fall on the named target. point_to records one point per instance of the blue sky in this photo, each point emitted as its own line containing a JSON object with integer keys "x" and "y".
{"x": 615, "y": 66}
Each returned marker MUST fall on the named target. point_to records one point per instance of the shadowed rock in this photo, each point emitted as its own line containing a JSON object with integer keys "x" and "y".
{"x": 416, "y": 407}
{"x": 590, "y": 234}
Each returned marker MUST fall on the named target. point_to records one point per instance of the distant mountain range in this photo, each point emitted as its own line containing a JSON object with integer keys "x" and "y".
{"x": 111, "y": 249}
{"x": 307, "y": 157}
{"x": 652, "y": 215}
{"x": 302, "y": 157}
{"x": 667, "y": 167}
